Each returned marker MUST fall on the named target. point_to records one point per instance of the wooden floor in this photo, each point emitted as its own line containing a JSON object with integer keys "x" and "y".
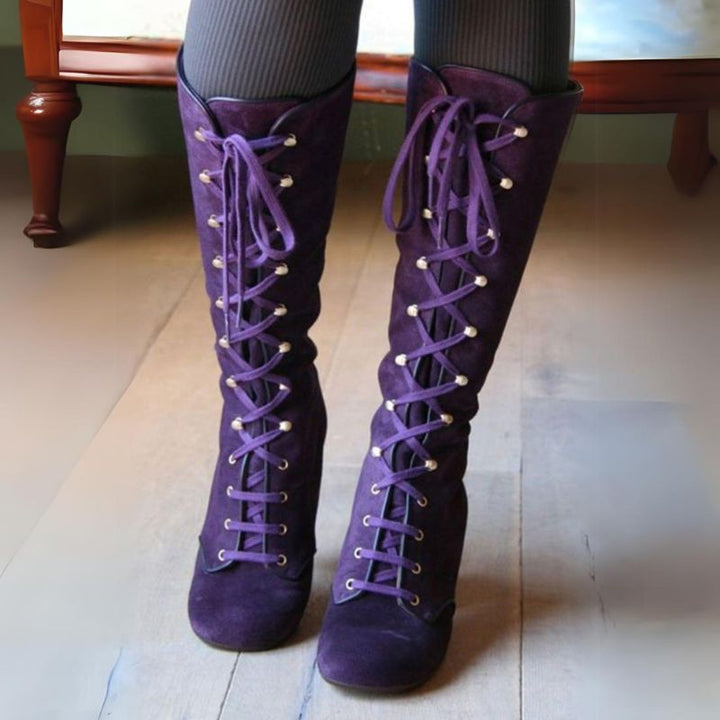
{"x": 590, "y": 584}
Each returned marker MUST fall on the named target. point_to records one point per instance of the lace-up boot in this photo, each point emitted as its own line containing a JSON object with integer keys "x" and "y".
{"x": 263, "y": 177}
{"x": 478, "y": 160}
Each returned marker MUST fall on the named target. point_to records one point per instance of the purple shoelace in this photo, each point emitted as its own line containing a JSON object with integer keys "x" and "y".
{"x": 456, "y": 146}
{"x": 257, "y": 238}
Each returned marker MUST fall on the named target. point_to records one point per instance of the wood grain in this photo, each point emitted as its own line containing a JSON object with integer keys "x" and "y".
{"x": 45, "y": 116}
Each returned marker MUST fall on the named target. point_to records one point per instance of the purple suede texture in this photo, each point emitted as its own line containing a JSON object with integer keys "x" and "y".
{"x": 530, "y": 162}
{"x": 239, "y": 604}
{"x": 380, "y": 645}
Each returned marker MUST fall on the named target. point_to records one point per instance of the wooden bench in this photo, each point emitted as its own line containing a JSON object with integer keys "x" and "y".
{"x": 686, "y": 87}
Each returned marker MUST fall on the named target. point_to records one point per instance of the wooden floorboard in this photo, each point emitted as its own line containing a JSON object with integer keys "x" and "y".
{"x": 621, "y": 588}
{"x": 76, "y": 323}
{"x": 101, "y": 584}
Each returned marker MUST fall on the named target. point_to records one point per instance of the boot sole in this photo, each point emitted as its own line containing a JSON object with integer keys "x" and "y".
{"x": 376, "y": 689}
{"x": 250, "y": 648}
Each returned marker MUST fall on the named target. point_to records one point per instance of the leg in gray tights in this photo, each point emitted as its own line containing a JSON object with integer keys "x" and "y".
{"x": 269, "y": 48}
{"x": 276, "y": 48}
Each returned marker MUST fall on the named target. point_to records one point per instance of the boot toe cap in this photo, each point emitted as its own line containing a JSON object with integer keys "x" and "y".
{"x": 374, "y": 643}
{"x": 246, "y": 607}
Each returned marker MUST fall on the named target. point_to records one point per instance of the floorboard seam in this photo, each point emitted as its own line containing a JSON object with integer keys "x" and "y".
{"x": 109, "y": 684}
{"x": 227, "y": 689}
{"x": 307, "y": 695}
{"x": 150, "y": 344}
{"x": 592, "y": 572}
{"x": 358, "y": 278}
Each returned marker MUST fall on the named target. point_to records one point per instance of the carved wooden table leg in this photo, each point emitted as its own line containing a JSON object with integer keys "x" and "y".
{"x": 690, "y": 157}
{"x": 45, "y": 115}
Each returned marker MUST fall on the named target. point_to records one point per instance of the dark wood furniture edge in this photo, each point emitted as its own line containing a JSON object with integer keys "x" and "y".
{"x": 690, "y": 158}
{"x": 45, "y": 115}
{"x": 687, "y": 87}
{"x": 611, "y": 86}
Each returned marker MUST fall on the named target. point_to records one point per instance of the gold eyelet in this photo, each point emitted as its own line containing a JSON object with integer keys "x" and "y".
{"x": 419, "y": 536}
{"x": 423, "y": 501}
{"x": 415, "y": 601}
{"x": 417, "y": 569}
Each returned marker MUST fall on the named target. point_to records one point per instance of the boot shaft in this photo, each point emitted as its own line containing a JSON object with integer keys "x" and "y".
{"x": 263, "y": 176}
{"x": 518, "y": 174}
{"x": 478, "y": 159}
{"x": 303, "y": 173}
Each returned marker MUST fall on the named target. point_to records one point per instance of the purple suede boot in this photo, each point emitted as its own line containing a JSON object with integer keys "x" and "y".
{"x": 263, "y": 177}
{"x": 479, "y": 157}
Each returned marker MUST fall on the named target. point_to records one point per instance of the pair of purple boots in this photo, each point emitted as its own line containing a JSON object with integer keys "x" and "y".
{"x": 477, "y": 162}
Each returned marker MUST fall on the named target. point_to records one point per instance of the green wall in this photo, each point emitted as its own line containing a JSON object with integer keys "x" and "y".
{"x": 142, "y": 121}
{"x": 9, "y": 25}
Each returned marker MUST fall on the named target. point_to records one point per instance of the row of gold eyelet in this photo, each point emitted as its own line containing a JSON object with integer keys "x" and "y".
{"x": 282, "y": 559}
{"x": 284, "y": 463}
{"x": 283, "y": 495}
{"x": 350, "y": 585}
{"x": 416, "y": 570}
{"x": 423, "y": 502}
{"x": 282, "y": 527}
{"x": 286, "y": 181}
{"x": 413, "y": 311}
{"x": 419, "y": 535}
